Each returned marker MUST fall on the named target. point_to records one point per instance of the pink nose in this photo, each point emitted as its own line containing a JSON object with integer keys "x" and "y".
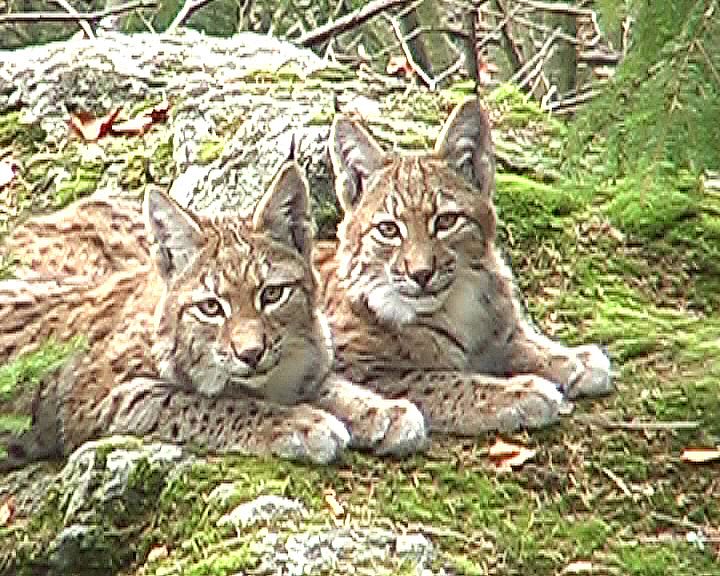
{"x": 251, "y": 355}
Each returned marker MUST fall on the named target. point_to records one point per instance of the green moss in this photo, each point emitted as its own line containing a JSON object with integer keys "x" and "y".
{"x": 27, "y": 370}
{"x": 13, "y": 132}
{"x": 210, "y": 150}
{"x": 83, "y": 181}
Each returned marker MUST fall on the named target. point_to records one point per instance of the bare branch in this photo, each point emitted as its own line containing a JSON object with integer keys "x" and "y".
{"x": 70, "y": 9}
{"x": 429, "y": 82}
{"x": 352, "y": 20}
{"x": 65, "y": 17}
{"x": 558, "y": 7}
{"x": 185, "y": 12}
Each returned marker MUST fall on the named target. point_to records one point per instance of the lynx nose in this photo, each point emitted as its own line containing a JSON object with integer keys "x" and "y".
{"x": 250, "y": 355}
{"x": 421, "y": 277}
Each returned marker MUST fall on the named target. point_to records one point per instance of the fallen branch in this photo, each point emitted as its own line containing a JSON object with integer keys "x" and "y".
{"x": 185, "y": 12}
{"x": 355, "y": 18}
{"x": 65, "y": 17}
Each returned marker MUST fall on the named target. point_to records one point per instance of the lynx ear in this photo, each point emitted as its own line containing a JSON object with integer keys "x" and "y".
{"x": 284, "y": 210}
{"x": 466, "y": 144}
{"x": 354, "y": 155}
{"x": 177, "y": 236}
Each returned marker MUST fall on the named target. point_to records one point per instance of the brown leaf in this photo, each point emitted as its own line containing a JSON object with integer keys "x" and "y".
{"x": 160, "y": 112}
{"x": 507, "y": 456}
{"x": 700, "y": 455}
{"x": 133, "y": 127}
{"x": 8, "y": 169}
{"x": 90, "y": 128}
{"x": 399, "y": 66}
{"x": 7, "y": 511}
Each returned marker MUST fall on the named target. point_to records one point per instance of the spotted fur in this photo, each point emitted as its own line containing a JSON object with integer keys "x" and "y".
{"x": 421, "y": 304}
{"x": 199, "y": 329}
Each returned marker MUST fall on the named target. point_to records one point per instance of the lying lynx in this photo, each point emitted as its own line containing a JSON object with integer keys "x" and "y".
{"x": 420, "y": 302}
{"x": 200, "y": 330}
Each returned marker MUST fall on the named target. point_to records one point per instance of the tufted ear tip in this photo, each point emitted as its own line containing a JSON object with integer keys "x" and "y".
{"x": 284, "y": 210}
{"x": 354, "y": 155}
{"x": 466, "y": 143}
{"x": 176, "y": 233}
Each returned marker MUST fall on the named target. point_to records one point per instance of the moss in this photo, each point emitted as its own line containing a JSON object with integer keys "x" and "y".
{"x": 210, "y": 150}
{"x": 82, "y": 181}
{"x": 13, "y": 132}
{"x": 26, "y": 371}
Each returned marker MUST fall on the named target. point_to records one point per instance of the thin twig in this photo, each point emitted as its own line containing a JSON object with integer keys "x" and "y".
{"x": 558, "y": 7}
{"x": 185, "y": 12}
{"x": 65, "y": 17}
{"x": 668, "y": 425}
{"x": 352, "y": 20}
{"x": 537, "y": 61}
{"x": 429, "y": 82}
{"x": 70, "y": 9}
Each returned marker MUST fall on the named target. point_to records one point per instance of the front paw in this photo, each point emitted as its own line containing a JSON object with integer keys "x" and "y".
{"x": 528, "y": 401}
{"x": 593, "y": 377}
{"x": 394, "y": 427}
{"x": 312, "y": 435}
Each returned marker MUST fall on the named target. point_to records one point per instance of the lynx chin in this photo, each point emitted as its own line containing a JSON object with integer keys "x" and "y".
{"x": 200, "y": 330}
{"x": 420, "y": 302}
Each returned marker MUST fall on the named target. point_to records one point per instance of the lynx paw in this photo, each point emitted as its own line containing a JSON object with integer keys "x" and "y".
{"x": 593, "y": 377}
{"x": 317, "y": 436}
{"x": 393, "y": 427}
{"x": 535, "y": 403}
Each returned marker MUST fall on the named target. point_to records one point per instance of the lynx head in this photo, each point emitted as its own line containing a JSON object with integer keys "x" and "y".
{"x": 413, "y": 222}
{"x": 237, "y": 315}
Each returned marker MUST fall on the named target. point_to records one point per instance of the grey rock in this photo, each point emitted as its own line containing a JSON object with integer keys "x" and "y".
{"x": 262, "y": 509}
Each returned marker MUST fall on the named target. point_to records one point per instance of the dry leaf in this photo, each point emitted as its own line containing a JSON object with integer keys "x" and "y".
{"x": 8, "y": 169}
{"x": 507, "y": 456}
{"x": 91, "y": 129}
{"x": 332, "y": 503}
{"x": 7, "y": 511}
{"x": 157, "y": 553}
{"x": 399, "y": 66}
{"x": 133, "y": 127}
{"x": 700, "y": 455}
{"x": 160, "y": 112}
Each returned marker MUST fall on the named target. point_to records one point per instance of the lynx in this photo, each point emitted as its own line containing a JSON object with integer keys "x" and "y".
{"x": 420, "y": 302}
{"x": 199, "y": 330}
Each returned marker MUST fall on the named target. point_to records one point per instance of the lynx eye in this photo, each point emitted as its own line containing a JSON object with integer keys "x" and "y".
{"x": 445, "y": 222}
{"x": 210, "y": 308}
{"x": 388, "y": 229}
{"x": 273, "y": 295}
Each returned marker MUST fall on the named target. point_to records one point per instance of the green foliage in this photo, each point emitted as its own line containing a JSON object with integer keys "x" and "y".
{"x": 664, "y": 104}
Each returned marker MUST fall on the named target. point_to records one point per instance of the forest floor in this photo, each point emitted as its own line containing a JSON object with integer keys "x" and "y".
{"x": 606, "y": 491}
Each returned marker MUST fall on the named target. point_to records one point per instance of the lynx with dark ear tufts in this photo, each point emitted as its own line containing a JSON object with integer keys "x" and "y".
{"x": 466, "y": 144}
{"x": 177, "y": 235}
{"x": 354, "y": 155}
{"x": 284, "y": 210}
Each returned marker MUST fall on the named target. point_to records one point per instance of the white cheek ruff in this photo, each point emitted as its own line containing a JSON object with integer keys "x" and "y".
{"x": 390, "y": 306}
